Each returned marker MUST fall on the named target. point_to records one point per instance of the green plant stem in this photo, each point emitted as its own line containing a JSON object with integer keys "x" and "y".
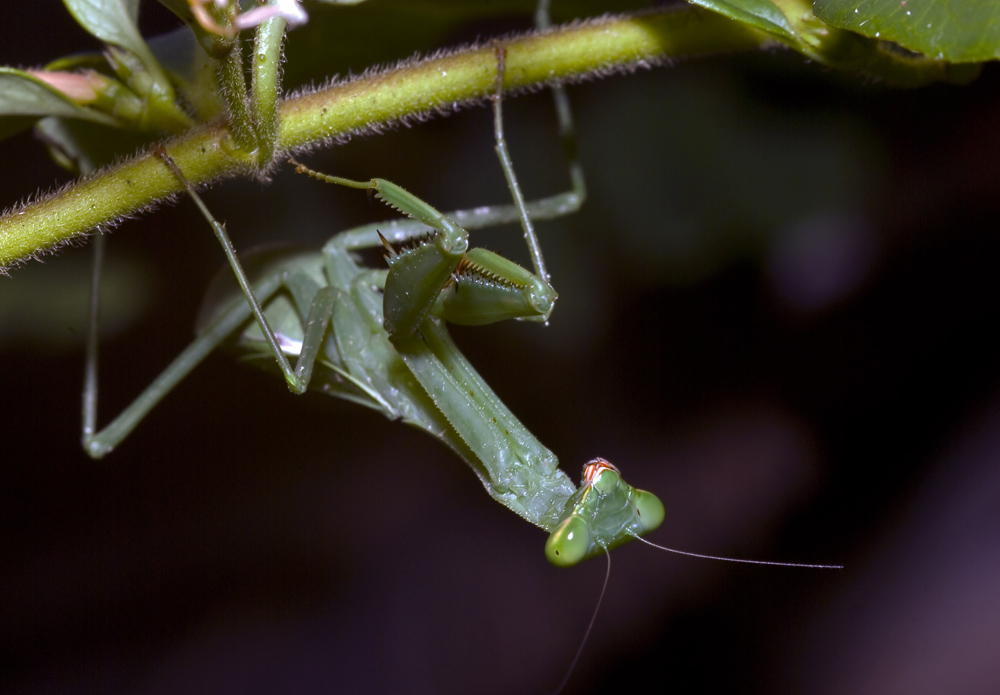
{"x": 266, "y": 59}
{"x": 234, "y": 90}
{"x": 591, "y": 49}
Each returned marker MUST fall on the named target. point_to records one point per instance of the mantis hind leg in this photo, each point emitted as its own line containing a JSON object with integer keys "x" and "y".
{"x": 315, "y": 305}
{"x": 97, "y": 444}
{"x": 89, "y": 404}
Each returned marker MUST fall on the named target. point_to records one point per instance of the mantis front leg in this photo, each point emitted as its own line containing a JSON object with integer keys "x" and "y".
{"x": 440, "y": 275}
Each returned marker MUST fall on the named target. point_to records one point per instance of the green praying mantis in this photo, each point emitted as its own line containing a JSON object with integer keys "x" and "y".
{"x": 378, "y": 338}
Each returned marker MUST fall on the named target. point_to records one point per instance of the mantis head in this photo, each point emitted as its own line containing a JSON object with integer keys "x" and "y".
{"x": 605, "y": 512}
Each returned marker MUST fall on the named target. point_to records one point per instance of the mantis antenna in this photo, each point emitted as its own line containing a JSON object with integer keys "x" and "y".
{"x": 586, "y": 633}
{"x": 733, "y": 559}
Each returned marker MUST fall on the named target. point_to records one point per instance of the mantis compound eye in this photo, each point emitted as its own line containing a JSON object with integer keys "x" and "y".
{"x": 569, "y": 543}
{"x": 606, "y": 481}
{"x": 650, "y": 510}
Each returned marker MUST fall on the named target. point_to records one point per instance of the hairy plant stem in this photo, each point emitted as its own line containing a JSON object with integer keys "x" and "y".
{"x": 263, "y": 89}
{"x": 234, "y": 90}
{"x": 576, "y": 52}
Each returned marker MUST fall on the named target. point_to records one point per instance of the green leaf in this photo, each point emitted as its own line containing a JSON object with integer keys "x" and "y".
{"x": 114, "y": 22}
{"x": 959, "y": 31}
{"x": 111, "y": 21}
{"x": 763, "y": 15}
{"x": 80, "y": 61}
{"x": 181, "y": 8}
{"x": 24, "y": 98}
{"x": 191, "y": 70}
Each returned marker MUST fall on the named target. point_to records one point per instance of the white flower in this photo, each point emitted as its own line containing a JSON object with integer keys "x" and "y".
{"x": 290, "y": 10}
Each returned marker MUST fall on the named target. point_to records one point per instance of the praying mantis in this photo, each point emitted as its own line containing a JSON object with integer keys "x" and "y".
{"x": 647, "y": 433}
{"x": 379, "y": 340}
{"x": 264, "y": 355}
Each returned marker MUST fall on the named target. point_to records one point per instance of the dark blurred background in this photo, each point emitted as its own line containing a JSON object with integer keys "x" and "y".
{"x": 774, "y": 312}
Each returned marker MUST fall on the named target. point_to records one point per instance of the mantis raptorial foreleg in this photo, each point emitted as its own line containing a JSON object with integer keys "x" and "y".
{"x": 439, "y": 274}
